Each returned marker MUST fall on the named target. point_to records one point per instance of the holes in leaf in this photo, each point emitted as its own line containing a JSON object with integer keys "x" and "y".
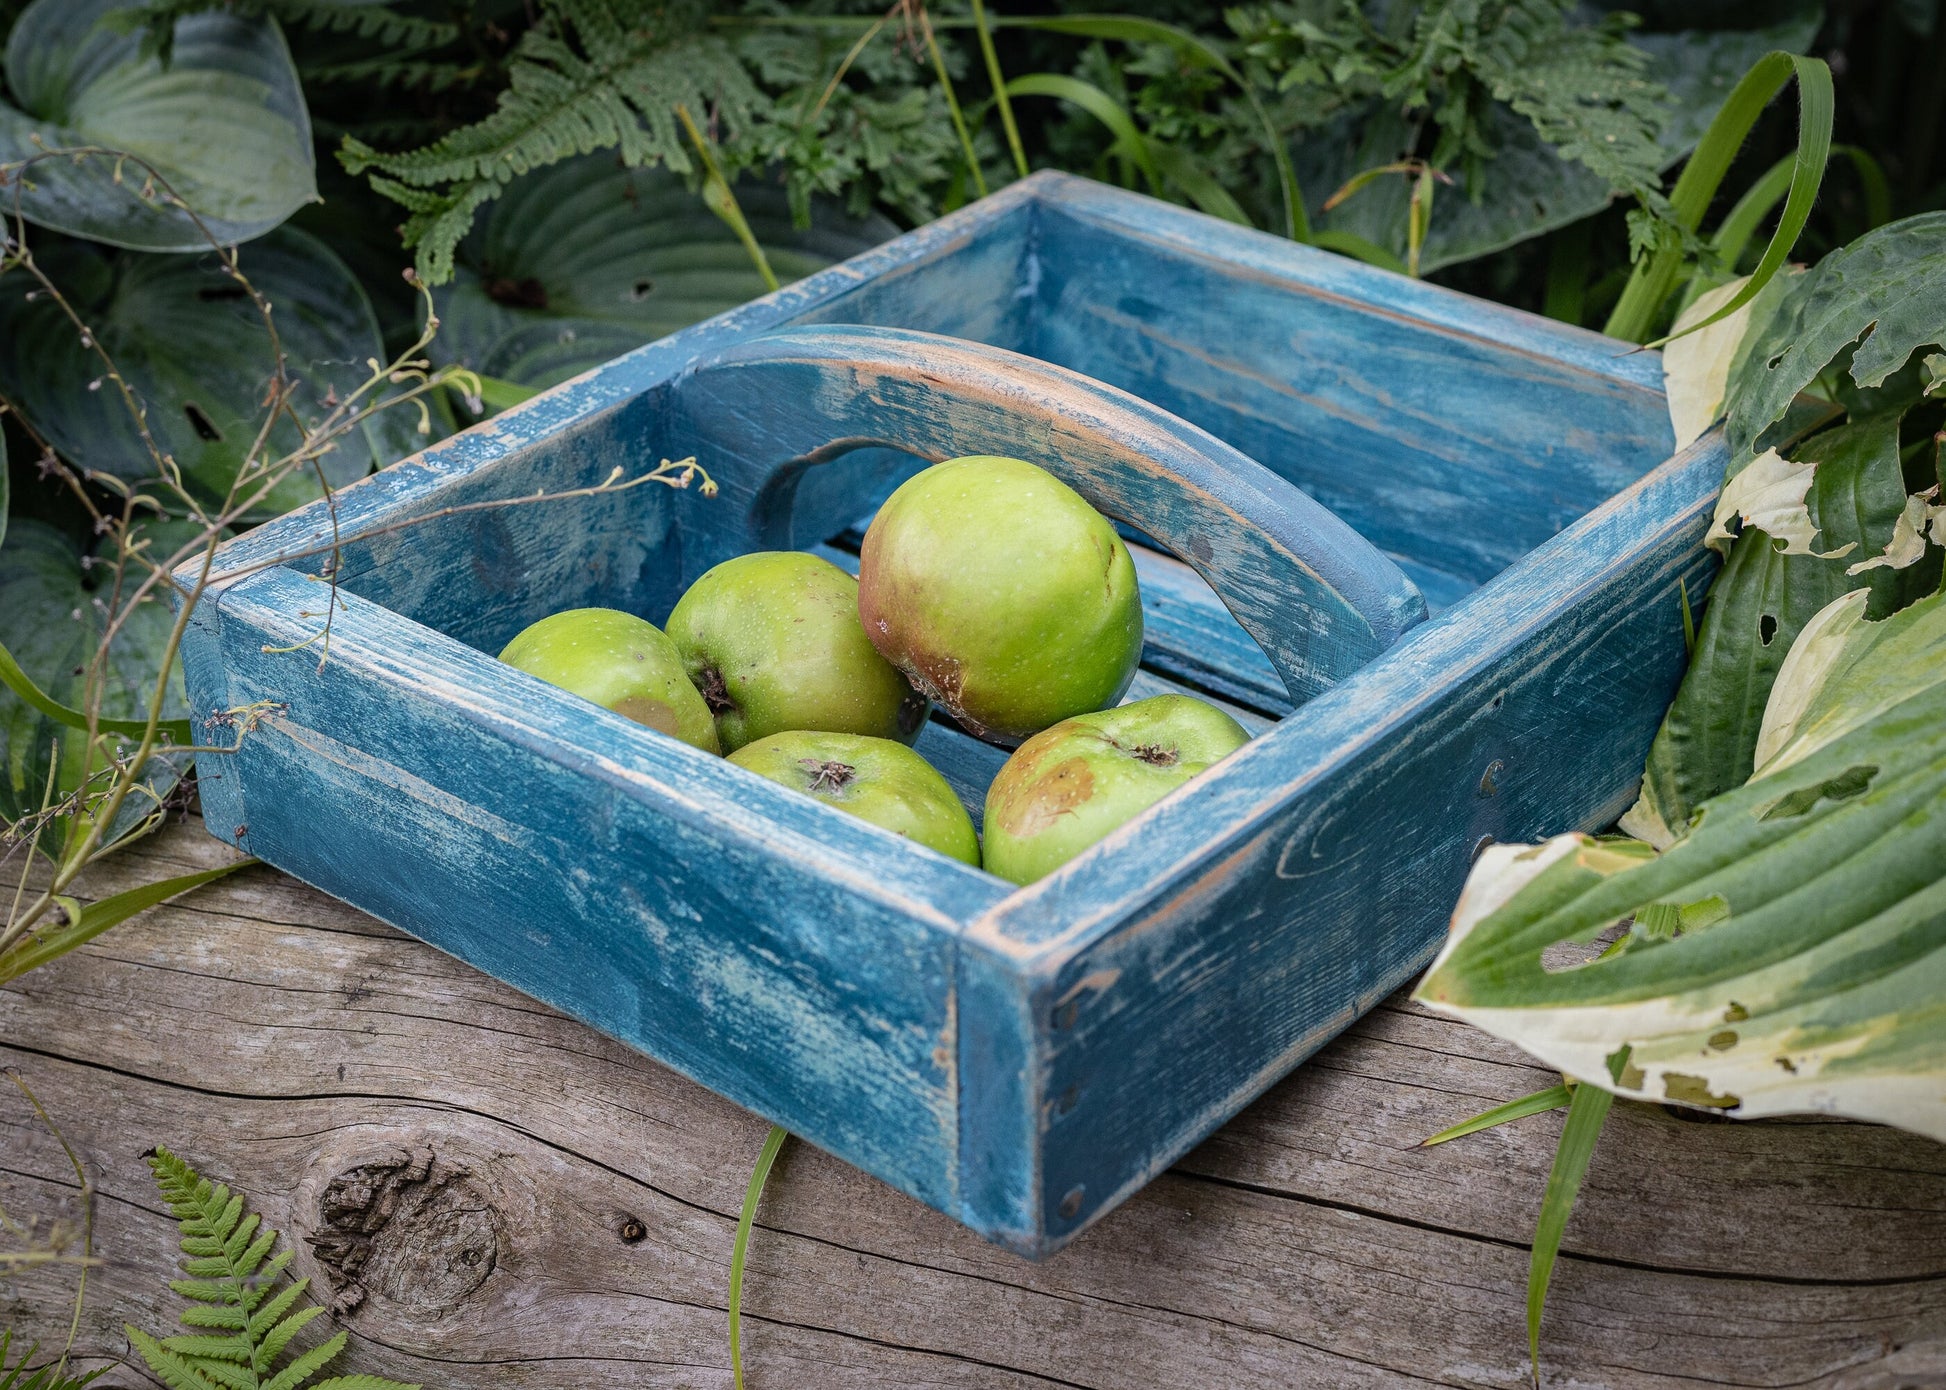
{"x": 1766, "y": 629}
{"x": 1853, "y": 781}
{"x": 205, "y": 427}
{"x": 640, "y": 291}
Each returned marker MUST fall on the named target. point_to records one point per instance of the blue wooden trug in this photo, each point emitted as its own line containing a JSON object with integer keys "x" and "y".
{"x": 1327, "y": 451}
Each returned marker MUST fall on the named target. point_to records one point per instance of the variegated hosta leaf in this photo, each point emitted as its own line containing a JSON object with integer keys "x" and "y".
{"x": 1789, "y": 954}
{"x": 223, "y": 122}
{"x": 1764, "y": 596}
{"x": 1696, "y": 366}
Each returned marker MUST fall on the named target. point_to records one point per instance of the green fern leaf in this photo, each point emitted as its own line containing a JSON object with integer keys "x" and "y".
{"x": 279, "y": 1336}
{"x": 225, "y": 1375}
{"x": 267, "y": 1278}
{"x": 201, "y": 1290}
{"x": 240, "y": 1291}
{"x": 591, "y": 75}
{"x": 249, "y": 1254}
{"x": 169, "y": 1368}
{"x": 210, "y": 1348}
{"x": 301, "y": 1370}
{"x": 272, "y": 1312}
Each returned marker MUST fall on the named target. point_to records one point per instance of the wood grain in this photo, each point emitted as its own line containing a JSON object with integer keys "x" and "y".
{"x": 573, "y": 1222}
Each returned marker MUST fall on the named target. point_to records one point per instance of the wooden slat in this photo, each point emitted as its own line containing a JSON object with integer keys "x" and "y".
{"x": 280, "y": 1039}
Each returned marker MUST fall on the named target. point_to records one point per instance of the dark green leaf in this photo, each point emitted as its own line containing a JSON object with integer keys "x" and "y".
{"x": 1758, "y": 605}
{"x": 195, "y": 352}
{"x": 586, "y": 259}
{"x": 1883, "y": 289}
{"x": 224, "y": 124}
{"x": 51, "y": 627}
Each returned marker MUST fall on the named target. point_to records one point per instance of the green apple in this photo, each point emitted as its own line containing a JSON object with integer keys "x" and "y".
{"x": 773, "y": 642}
{"x": 875, "y": 779}
{"x": 1068, "y": 786}
{"x": 1002, "y": 595}
{"x": 621, "y": 662}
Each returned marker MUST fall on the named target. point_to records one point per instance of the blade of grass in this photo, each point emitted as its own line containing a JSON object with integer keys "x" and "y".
{"x": 1351, "y": 244}
{"x": 1585, "y": 1115}
{"x": 773, "y": 1142}
{"x": 1757, "y": 202}
{"x": 86, "y": 922}
{"x": 1098, "y": 104}
{"x": 1655, "y": 275}
{"x": 952, "y": 102}
{"x": 999, "y": 81}
{"x": 1553, "y": 1098}
{"x": 23, "y": 685}
{"x": 723, "y": 202}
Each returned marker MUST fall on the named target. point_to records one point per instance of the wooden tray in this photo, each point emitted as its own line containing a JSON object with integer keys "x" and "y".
{"x": 1315, "y": 454}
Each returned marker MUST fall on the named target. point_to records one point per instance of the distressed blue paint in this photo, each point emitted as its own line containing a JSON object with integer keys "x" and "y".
{"x": 1021, "y": 1059}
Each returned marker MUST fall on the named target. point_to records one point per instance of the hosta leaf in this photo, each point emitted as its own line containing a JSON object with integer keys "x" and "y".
{"x": 1696, "y": 366}
{"x": 224, "y": 123}
{"x": 49, "y": 622}
{"x": 194, "y": 350}
{"x": 1807, "y": 971}
{"x": 1845, "y": 670}
{"x": 584, "y": 260}
{"x": 1882, "y": 288}
{"x": 1757, "y": 606}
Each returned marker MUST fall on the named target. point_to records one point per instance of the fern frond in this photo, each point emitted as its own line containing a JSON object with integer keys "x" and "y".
{"x": 267, "y": 1317}
{"x": 301, "y": 1370}
{"x": 237, "y": 1293}
{"x": 592, "y": 75}
{"x": 225, "y": 1375}
{"x": 279, "y": 1336}
{"x": 210, "y": 1348}
{"x": 171, "y": 1369}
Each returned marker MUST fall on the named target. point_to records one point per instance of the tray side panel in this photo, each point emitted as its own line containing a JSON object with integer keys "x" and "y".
{"x": 800, "y": 974}
{"x": 1168, "y": 1004}
{"x": 1447, "y": 447}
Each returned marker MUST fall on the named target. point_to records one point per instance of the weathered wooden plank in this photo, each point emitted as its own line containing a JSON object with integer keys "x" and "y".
{"x": 281, "y": 1040}
{"x": 1398, "y": 405}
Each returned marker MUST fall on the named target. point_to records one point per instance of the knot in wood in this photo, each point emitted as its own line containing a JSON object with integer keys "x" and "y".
{"x": 407, "y": 1230}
